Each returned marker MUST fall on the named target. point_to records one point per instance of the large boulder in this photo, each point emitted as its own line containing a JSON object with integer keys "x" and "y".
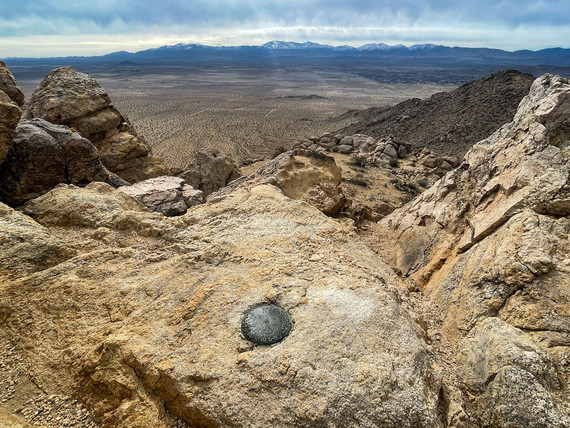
{"x": 10, "y": 115}
{"x": 44, "y": 155}
{"x": 491, "y": 239}
{"x": 75, "y": 99}
{"x": 210, "y": 171}
{"x": 9, "y": 85}
{"x": 303, "y": 175}
{"x": 160, "y": 319}
{"x": 313, "y": 178}
{"x": 167, "y": 195}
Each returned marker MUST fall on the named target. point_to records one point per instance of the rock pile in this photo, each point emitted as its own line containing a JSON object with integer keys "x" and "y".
{"x": 372, "y": 151}
{"x": 160, "y": 301}
{"x": 489, "y": 243}
{"x": 68, "y": 97}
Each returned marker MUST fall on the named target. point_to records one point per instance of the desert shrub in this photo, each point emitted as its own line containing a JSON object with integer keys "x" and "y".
{"x": 406, "y": 186}
{"x": 358, "y": 159}
{"x": 424, "y": 182}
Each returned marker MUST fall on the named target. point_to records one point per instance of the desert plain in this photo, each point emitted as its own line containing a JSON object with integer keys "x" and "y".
{"x": 246, "y": 112}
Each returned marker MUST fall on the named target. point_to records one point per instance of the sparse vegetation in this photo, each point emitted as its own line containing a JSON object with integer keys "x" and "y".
{"x": 394, "y": 163}
{"x": 406, "y": 186}
{"x": 358, "y": 159}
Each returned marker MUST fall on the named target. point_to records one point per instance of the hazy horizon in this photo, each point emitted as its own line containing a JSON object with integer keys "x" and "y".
{"x": 49, "y": 28}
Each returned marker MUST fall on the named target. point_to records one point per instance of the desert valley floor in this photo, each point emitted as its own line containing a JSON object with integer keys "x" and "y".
{"x": 245, "y": 112}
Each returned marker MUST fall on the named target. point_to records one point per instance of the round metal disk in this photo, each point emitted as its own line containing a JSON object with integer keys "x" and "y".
{"x": 266, "y": 324}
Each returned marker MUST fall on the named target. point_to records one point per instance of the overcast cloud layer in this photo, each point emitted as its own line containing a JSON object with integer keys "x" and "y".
{"x": 72, "y": 27}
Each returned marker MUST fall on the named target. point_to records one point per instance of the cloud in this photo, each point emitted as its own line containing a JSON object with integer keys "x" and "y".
{"x": 506, "y": 23}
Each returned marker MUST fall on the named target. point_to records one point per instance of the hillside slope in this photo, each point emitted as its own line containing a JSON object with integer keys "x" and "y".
{"x": 448, "y": 122}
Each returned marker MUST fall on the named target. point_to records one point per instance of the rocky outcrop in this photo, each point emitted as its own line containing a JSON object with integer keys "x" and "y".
{"x": 160, "y": 317}
{"x": 303, "y": 175}
{"x": 490, "y": 240}
{"x": 369, "y": 150}
{"x": 9, "y": 85}
{"x": 10, "y": 115}
{"x": 210, "y": 171}
{"x": 44, "y": 155}
{"x": 71, "y": 98}
{"x": 167, "y": 195}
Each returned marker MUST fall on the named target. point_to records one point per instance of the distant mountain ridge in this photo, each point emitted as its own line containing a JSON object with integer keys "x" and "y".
{"x": 554, "y": 56}
{"x": 421, "y": 63}
{"x": 370, "y": 47}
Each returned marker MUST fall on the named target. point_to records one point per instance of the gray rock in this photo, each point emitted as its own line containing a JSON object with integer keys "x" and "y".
{"x": 390, "y": 151}
{"x": 210, "y": 171}
{"x": 44, "y": 155}
{"x": 363, "y": 143}
{"x": 346, "y": 141}
{"x": 403, "y": 151}
{"x": 430, "y": 161}
{"x": 344, "y": 149}
{"x": 380, "y": 146}
{"x": 167, "y": 195}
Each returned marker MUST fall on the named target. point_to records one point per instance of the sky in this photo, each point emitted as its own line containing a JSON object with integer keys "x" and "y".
{"x": 42, "y": 28}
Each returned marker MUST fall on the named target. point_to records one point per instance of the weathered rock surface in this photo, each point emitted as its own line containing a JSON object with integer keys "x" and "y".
{"x": 160, "y": 318}
{"x": 303, "y": 175}
{"x": 97, "y": 206}
{"x": 210, "y": 171}
{"x": 10, "y": 115}
{"x": 27, "y": 247}
{"x": 167, "y": 195}
{"x": 491, "y": 239}
{"x": 44, "y": 155}
{"x": 71, "y": 98}
{"x": 9, "y": 85}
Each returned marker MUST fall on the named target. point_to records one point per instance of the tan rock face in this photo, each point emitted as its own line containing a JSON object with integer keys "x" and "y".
{"x": 159, "y": 317}
{"x": 303, "y": 175}
{"x": 27, "y": 247}
{"x": 490, "y": 239}
{"x": 314, "y": 179}
{"x": 9, "y": 85}
{"x": 71, "y": 98}
{"x": 10, "y": 115}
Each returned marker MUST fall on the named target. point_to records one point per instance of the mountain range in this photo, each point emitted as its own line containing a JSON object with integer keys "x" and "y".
{"x": 552, "y": 56}
{"x": 181, "y": 51}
